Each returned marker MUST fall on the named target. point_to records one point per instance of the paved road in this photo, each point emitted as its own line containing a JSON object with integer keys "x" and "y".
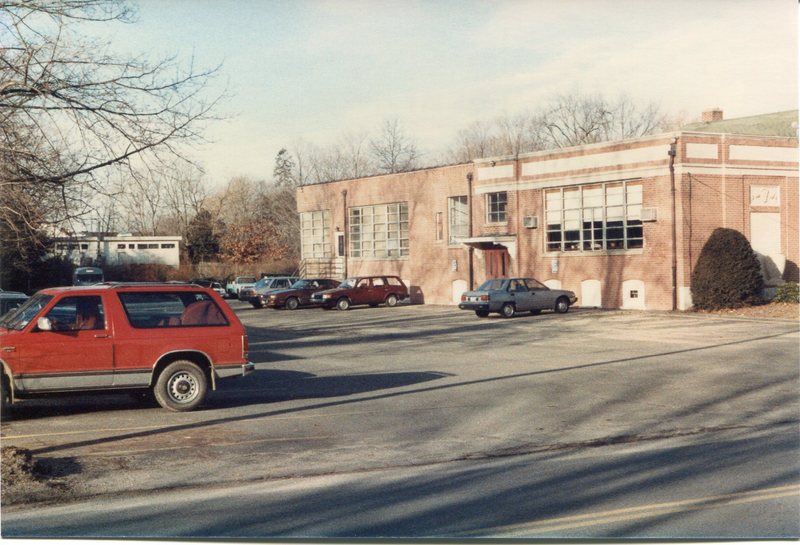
{"x": 347, "y": 401}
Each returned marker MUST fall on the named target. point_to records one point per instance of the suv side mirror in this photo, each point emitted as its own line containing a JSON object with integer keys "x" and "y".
{"x": 44, "y": 324}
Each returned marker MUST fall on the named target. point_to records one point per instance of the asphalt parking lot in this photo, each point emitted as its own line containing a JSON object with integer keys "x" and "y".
{"x": 414, "y": 385}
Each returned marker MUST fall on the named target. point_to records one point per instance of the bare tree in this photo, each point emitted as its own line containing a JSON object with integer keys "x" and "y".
{"x": 393, "y": 149}
{"x": 185, "y": 195}
{"x": 72, "y": 113}
{"x": 575, "y": 119}
{"x": 354, "y": 148}
{"x": 566, "y": 120}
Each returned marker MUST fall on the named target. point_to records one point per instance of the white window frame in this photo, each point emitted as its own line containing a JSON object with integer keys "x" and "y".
{"x": 497, "y": 207}
{"x": 379, "y": 231}
{"x": 458, "y": 218}
{"x": 315, "y": 229}
{"x": 595, "y": 217}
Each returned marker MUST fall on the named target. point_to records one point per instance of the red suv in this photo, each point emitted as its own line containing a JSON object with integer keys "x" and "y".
{"x": 362, "y": 290}
{"x": 176, "y": 341}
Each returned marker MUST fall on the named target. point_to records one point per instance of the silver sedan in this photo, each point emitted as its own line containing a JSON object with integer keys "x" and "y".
{"x": 507, "y": 296}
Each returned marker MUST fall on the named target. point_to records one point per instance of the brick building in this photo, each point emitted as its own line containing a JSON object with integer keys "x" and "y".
{"x": 620, "y": 223}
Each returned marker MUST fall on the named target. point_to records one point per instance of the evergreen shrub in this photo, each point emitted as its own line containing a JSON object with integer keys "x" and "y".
{"x": 787, "y": 293}
{"x": 727, "y": 274}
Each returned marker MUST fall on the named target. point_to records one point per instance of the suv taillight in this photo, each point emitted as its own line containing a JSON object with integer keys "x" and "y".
{"x": 245, "y": 347}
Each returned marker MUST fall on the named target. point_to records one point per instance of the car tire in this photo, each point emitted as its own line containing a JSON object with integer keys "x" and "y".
{"x": 536, "y": 311}
{"x": 343, "y": 304}
{"x": 257, "y": 304}
{"x": 507, "y": 310}
{"x": 292, "y": 303}
{"x": 181, "y": 386}
{"x": 391, "y": 300}
{"x": 562, "y": 305}
{"x": 5, "y": 407}
{"x": 482, "y": 313}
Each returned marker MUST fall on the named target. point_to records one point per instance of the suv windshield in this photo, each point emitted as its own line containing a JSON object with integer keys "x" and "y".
{"x": 21, "y": 317}
{"x": 348, "y": 283}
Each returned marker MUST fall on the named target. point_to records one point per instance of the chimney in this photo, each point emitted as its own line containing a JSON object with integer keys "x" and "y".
{"x": 712, "y": 115}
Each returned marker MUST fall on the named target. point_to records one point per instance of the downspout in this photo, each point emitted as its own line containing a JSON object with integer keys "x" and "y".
{"x": 471, "y": 250}
{"x": 673, "y": 150}
{"x": 346, "y": 242}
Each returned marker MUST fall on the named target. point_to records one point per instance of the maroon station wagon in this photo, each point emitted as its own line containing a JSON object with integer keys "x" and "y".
{"x": 362, "y": 290}
{"x": 299, "y": 294}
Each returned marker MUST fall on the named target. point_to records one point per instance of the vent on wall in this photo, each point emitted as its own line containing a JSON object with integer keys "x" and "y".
{"x": 649, "y": 214}
{"x": 530, "y": 222}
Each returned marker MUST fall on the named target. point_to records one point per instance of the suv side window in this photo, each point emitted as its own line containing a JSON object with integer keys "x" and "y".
{"x": 77, "y": 314}
{"x": 378, "y": 282}
{"x": 171, "y": 309}
{"x": 363, "y": 283}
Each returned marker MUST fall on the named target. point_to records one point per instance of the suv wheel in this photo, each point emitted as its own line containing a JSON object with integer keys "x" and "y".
{"x": 391, "y": 300}
{"x": 181, "y": 386}
{"x": 343, "y": 304}
{"x": 292, "y": 303}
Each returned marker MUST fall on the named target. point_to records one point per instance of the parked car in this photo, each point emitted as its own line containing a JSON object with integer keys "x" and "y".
{"x": 508, "y": 296}
{"x": 257, "y": 295}
{"x": 208, "y": 283}
{"x": 298, "y": 294}
{"x": 174, "y": 340}
{"x": 239, "y": 283}
{"x": 10, "y": 300}
{"x": 362, "y": 290}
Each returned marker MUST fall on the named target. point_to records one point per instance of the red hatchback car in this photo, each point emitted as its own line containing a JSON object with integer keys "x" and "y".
{"x": 175, "y": 340}
{"x": 362, "y": 290}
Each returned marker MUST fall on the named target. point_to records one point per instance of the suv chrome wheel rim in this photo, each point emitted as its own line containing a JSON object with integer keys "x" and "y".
{"x": 182, "y": 387}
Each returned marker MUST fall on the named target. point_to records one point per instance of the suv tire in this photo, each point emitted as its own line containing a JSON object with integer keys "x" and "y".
{"x": 181, "y": 386}
{"x": 391, "y": 300}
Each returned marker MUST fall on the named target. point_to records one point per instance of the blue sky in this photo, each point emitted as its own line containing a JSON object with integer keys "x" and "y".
{"x": 314, "y": 69}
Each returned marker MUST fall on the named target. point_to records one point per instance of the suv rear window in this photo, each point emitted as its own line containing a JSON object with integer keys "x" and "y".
{"x": 393, "y": 281}
{"x": 171, "y": 309}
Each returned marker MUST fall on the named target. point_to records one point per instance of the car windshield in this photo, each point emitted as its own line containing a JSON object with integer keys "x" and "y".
{"x": 348, "y": 283}
{"x": 492, "y": 285}
{"x": 300, "y": 284}
{"x": 22, "y": 316}
{"x": 263, "y": 282}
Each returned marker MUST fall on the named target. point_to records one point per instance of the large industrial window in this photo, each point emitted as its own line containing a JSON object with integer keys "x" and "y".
{"x": 458, "y": 212}
{"x": 315, "y": 229}
{"x": 379, "y": 231}
{"x": 496, "y": 207}
{"x": 594, "y": 217}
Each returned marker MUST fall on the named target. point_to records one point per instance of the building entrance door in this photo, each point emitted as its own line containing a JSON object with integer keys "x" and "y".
{"x": 497, "y": 262}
